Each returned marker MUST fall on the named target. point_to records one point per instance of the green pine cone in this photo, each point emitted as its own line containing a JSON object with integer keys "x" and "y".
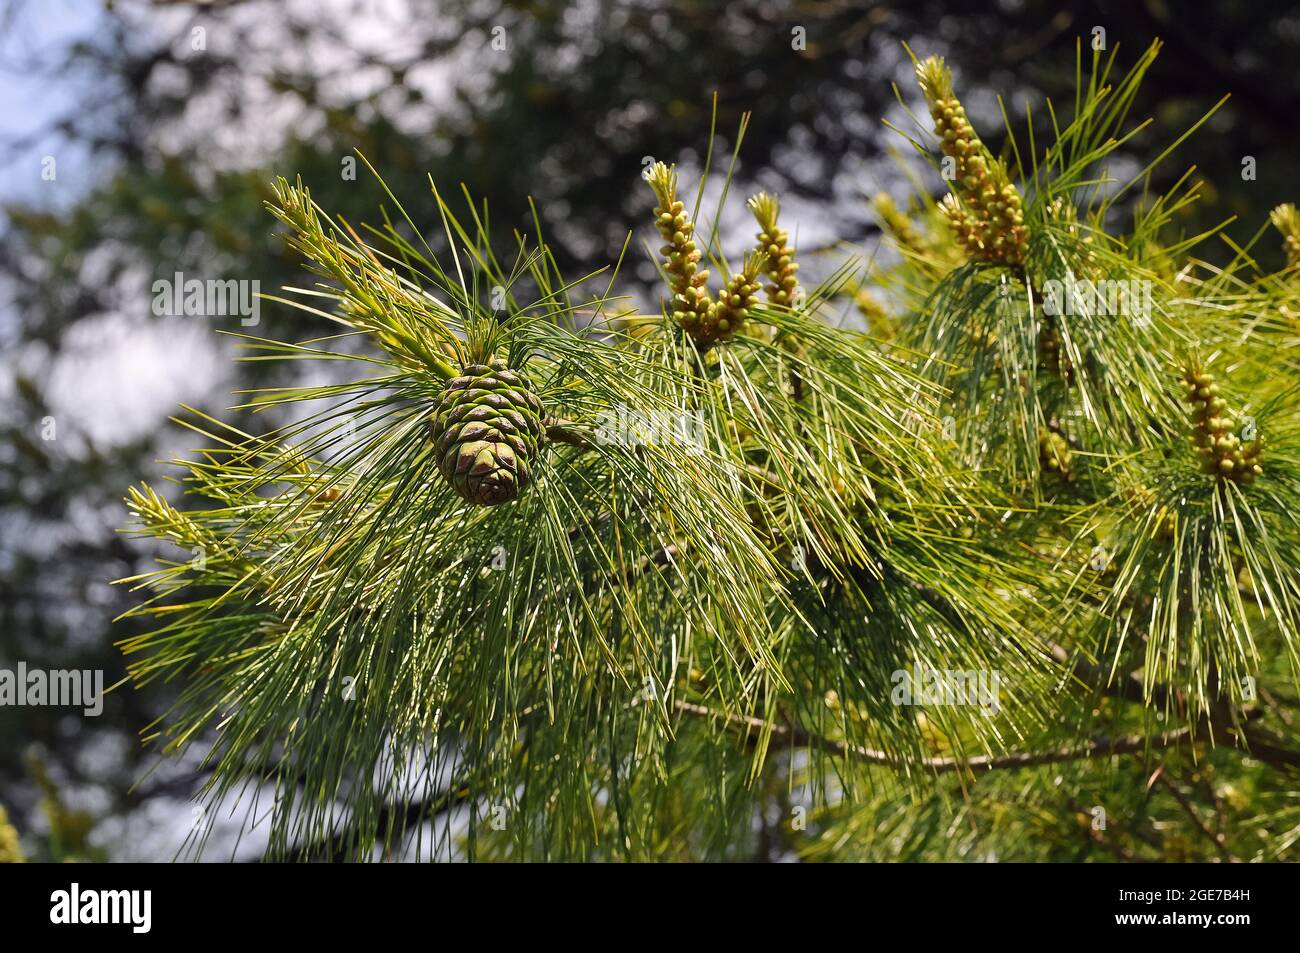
{"x": 488, "y": 433}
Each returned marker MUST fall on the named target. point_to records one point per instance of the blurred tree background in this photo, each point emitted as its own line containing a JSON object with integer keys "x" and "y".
{"x": 166, "y": 122}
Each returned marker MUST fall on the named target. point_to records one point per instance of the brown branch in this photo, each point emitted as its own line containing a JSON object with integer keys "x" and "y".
{"x": 1130, "y": 688}
{"x": 1094, "y": 836}
{"x": 752, "y": 728}
{"x": 345, "y": 845}
{"x": 1261, "y": 747}
{"x": 1216, "y": 839}
{"x": 1257, "y": 743}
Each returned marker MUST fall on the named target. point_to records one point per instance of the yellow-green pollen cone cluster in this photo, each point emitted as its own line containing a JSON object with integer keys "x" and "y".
{"x": 896, "y": 223}
{"x": 1054, "y": 453}
{"x": 691, "y": 303}
{"x": 732, "y": 308}
{"x": 708, "y": 322}
{"x": 488, "y": 431}
{"x": 10, "y": 849}
{"x": 984, "y": 208}
{"x": 1286, "y": 219}
{"x": 774, "y": 245}
{"x": 1221, "y": 451}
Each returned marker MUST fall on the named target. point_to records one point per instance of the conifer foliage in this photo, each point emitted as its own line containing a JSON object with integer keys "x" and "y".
{"x": 543, "y": 577}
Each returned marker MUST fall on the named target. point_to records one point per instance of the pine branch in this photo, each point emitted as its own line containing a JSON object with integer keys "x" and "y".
{"x": 566, "y": 431}
{"x": 359, "y": 549}
{"x": 1129, "y": 688}
{"x": 389, "y": 818}
{"x": 1263, "y": 747}
{"x": 754, "y": 728}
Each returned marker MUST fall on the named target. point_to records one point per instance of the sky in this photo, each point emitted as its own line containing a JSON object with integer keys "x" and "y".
{"x": 117, "y": 375}
{"x": 30, "y": 32}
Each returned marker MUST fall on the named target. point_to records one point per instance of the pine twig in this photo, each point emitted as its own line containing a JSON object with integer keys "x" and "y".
{"x": 1215, "y": 839}
{"x": 753, "y": 728}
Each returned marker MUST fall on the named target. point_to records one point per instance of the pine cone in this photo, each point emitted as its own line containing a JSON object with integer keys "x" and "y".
{"x": 487, "y": 432}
